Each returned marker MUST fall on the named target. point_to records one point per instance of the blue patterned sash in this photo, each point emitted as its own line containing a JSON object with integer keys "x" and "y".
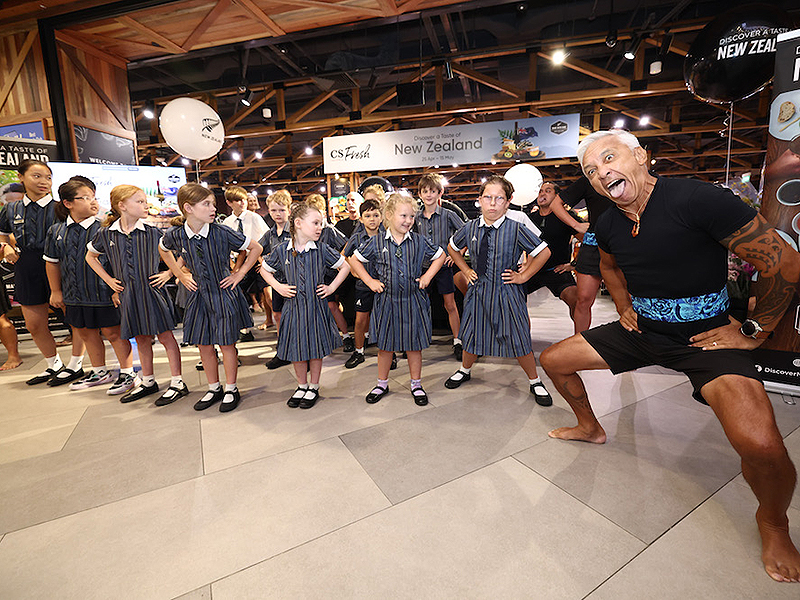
{"x": 589, "y": 239}
{"x": 682, "y": 310}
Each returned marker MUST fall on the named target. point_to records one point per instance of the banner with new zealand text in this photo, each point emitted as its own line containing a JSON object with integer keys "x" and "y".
{"x": 778, "y": 359}
{"x": 14, "y": 150}
{"x": 500, "y": 141}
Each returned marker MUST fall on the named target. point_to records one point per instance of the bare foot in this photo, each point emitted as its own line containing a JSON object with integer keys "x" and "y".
{"x": 264, "y": 326}
{"x": 595, "y": 436}
{"x": 780, "y": 557}
{"x": 11, "y": 363}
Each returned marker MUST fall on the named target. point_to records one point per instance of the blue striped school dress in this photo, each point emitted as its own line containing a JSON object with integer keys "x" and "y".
{"x": 29, "y": 223}
{"x": 495, "y": 317}
{"x": 336, "y": 240}
{"x": 440, "y": 227}
{"x": 307, "y": 329}
{"x": 402, "y": 312}
{"x": 144, "y": 310}
{"x": 213, "y": 315}
{"x": 66, "y": 246}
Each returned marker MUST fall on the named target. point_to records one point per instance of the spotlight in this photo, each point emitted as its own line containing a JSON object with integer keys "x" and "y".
{"x": 248, "y": 98}
{"x": 149, "y": 110}
{"x": 185, "y": 160}
{"x": 619, "y": 123}
{"x": 630, "y": 53}
{"x": 652, "y": 161}
{"x": 559, "y": 56}
{"x": 656, "y": 67}
{"x": 236, "y": 156}
{"x": 204, "y": 184}
{"x": 644, "y": 120}
{"x": 309, "y": 150}
{"x": 258, "y": 155}
{"x": 611, "y": 38}
{"x": 322, "y": 189}
{"x": 455, "y": 165}
{"x": 444, "y": 181}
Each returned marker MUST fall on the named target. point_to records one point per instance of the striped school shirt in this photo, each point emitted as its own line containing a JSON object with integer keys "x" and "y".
{"x": 307, "y": 329}
{"x": 133, "y": 258}
{"x": 354, "y": 243}
{"x": 495, "y": 321}
{"x": 213, "y": 315}
{"x": 440, "y": 227}
{"x": 29, "y": 222}
{"x": 65, "y": 246}
{"x": 402, "y": 311}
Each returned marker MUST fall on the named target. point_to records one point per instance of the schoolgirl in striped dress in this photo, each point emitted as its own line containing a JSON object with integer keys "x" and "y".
{"x": 86, "y": 300}
{"x": 131, "y": 249}
{"x": 23, "y": 226}
{"x": 307, "y": 333}
{"x": 402, "y": 310}
{"x": 336, "y": 240}
{"x": 216, "y": 309}
{"x": 495, "y": 317}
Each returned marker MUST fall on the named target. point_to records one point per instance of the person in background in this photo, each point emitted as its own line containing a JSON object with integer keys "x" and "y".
{"x": 348, "y": 225}
{"x": 8, "y": 333}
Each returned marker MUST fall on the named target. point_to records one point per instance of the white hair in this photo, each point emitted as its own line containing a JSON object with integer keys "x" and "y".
{"x": 626, "y": 137}
{"x": 356, "y": 196}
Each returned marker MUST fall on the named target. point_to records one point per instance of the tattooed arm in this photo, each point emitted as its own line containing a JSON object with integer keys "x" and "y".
{"x": 778, "y": 268}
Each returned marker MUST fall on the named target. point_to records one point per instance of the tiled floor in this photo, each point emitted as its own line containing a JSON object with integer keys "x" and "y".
{"x": 464, "y": 498}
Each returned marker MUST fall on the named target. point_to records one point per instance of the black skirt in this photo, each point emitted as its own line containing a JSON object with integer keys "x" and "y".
{"x": 91, "y": 317}
{"x": 30, "y": 279}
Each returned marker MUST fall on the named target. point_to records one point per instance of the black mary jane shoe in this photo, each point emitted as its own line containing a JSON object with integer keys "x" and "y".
{"x": 307, "y": 402}
{"x": 455, "y": 381}
{"x": 376, "y": 394}
{"x": 173, "y": 393}
{"x": 215, "y": 397}
{"x": 65, "y": 376}
{"x": 139, "y": 392}
{"x": 229, "y": 406}
{"x": 294, "y": 401}
{"x": 420, "y": 397}
{"x": 44, "y": 377}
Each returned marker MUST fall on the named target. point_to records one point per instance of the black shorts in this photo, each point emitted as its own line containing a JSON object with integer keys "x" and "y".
{"x": 625, "y": 350}
{"x": 91, "y": 317}
{"x": 252, "y": 282}
{"x": 555, "y": 282}
{"x": 30, "y": 279}
{"x": 444, "y": 280}
{"x": 5, "y": 303}
{"x": 364, "y": 300}
{"x": 277, "y": 301}
{"x": 588, "y": 261}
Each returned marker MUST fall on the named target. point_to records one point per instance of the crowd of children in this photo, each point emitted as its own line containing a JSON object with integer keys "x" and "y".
{"x": 107, "y": 282}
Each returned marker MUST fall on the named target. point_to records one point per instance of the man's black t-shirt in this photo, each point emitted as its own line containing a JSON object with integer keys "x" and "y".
{"x": 347, "y": 226}
{"x": 557, "y": 235}
{"x": 596, "y": 203}
{"x": 677, "y": 253}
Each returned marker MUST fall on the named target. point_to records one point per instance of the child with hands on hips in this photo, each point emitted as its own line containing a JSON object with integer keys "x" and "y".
{"x": 88, "y": 305}
{"x": 495, "y": 317}
{"x": 130, "y": 251}
{"x": 402, "y": 310}
{"x": 307, "y": 332}
{"x": 216, "y": 309}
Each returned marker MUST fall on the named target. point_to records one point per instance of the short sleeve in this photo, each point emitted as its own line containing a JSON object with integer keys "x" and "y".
{"x": 336, "y": 238}
{"x": 97, "y": 244}
{"x": 459, "y": 239}
{"x": 264, "y": 241}
{"x": 5, "y": 224}
{"x": 430, "y": 251}
{"x": 602, "y": 230}
{"x": 352, "y": 245}
{"x": 718, "y": 211}
{"x": 274, "y": 262}
{"x": 170, "y": 241}
{"x": 52, "y": 249}
{"x": 331, "y": 257}
{"x": 529, "y": 241}
{"x": 368, "y": 250}
{"x": 454, "y": 221}
{"x": 236, "y": 241}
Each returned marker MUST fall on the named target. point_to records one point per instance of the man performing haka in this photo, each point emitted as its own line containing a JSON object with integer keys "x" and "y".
{"x": 664, "y": 260}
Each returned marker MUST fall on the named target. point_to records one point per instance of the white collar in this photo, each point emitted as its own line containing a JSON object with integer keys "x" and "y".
{"x": 310, "y": 245}
{"x": 496, "y": 224}
{"x": 202, "y": 233}
{"x": 241, "y": 216}
{"x": 405, "y": 237}
{"x": 117, "y": 225}
{"x": 86, "y": 223}
{"x": 43, "y": 201}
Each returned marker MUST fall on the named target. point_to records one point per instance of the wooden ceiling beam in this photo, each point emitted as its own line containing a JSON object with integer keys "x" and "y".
{"x": 114, "y": 59}
{"x": 261, "y": 16}
{"x": 191, "y": 41}
{"x": 634, "y": 114}
{"x": 16, "y": 65}
{"x": 581, "y": 66}
{"x": 150, "y": 34}
{"x": 486, "y": 80}
{"x": 258, "y": 101}
{"x": 357, "y": 11}
{"x": 310, "y": 106}
{"x": 392, "y": 92}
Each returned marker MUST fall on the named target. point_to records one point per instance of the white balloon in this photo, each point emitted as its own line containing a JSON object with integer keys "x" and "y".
{"x": 192, "y": 128}
{"x": 527, "y": 181}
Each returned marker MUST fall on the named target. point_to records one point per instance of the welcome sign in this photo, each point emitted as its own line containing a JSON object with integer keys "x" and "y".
{"x": 500, "y": 141}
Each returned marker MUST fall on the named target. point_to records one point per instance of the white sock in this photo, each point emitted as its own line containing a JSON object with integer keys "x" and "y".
{"x": 126, "y": 371}
{"x": 360, "y": 350}
{"x": 230, "y": 387}
{"x": 313, "y": 386}
{"x": 456, "y": 341}
{"x": 148, "y": 379}
{"x": 101, "y": 370}
{"x": 346, "y": 335}
{"x": 54, "y": 362}
{"x": 75, "y": 363}
{"x": 300, "y": 391}
{"x": 465, "y": 370}
{"x": 535, "y": 381}
{"x": 175, "y": 381}
{"x": 214, "y": 387}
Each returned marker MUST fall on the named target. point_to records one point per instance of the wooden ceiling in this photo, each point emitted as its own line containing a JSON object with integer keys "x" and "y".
{"x": 330, "y": 68}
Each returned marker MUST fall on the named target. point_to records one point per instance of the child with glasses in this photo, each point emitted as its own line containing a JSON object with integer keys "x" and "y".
{"x": 130, "y": 248}
{"x": 89, "y": 306}
{"x": 308, "y": 333}
{"x": 402, "y": 310}
{"x": 216, "y": 309}
{"x": 495, "y": 317}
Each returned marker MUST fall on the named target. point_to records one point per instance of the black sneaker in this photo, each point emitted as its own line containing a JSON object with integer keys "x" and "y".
{"x": 458, "y": 351}
{"x": 275, "y": 362}
{"x": 247, "y": 336}
{"x": 139, "y": 392}
{"x": 348, "y": 345}
{"x": 355, "y": 359}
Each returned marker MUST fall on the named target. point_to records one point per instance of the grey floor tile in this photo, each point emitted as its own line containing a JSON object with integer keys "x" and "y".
{"x": 413, "y": 454}
{"x": 179, "y": 538}
{"x": 46, "y": 487}
{"x": 500, "y": 532}
{"x": 659, "y": 463}
{"x": 37, "y": 435}
{"x": 714, "y": 554}
{"x": 203, "y": 593}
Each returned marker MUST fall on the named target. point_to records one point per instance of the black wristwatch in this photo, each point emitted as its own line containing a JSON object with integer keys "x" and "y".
{"x": 753, "y": 330}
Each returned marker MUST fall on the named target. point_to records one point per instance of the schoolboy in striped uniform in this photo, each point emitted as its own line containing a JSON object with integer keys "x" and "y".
{"x": 402, "y": 310}
{"x": 495, "y": 321}
{"x": 438, "y": 224}
{"x": 308, "y": 333}
{"x": 279, "y": 205}
{"x": 85, "y": 299}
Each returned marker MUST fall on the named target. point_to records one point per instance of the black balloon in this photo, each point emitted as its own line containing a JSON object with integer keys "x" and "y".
{"x": 375, "y": 180}
{"x": 733, "y": 57}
